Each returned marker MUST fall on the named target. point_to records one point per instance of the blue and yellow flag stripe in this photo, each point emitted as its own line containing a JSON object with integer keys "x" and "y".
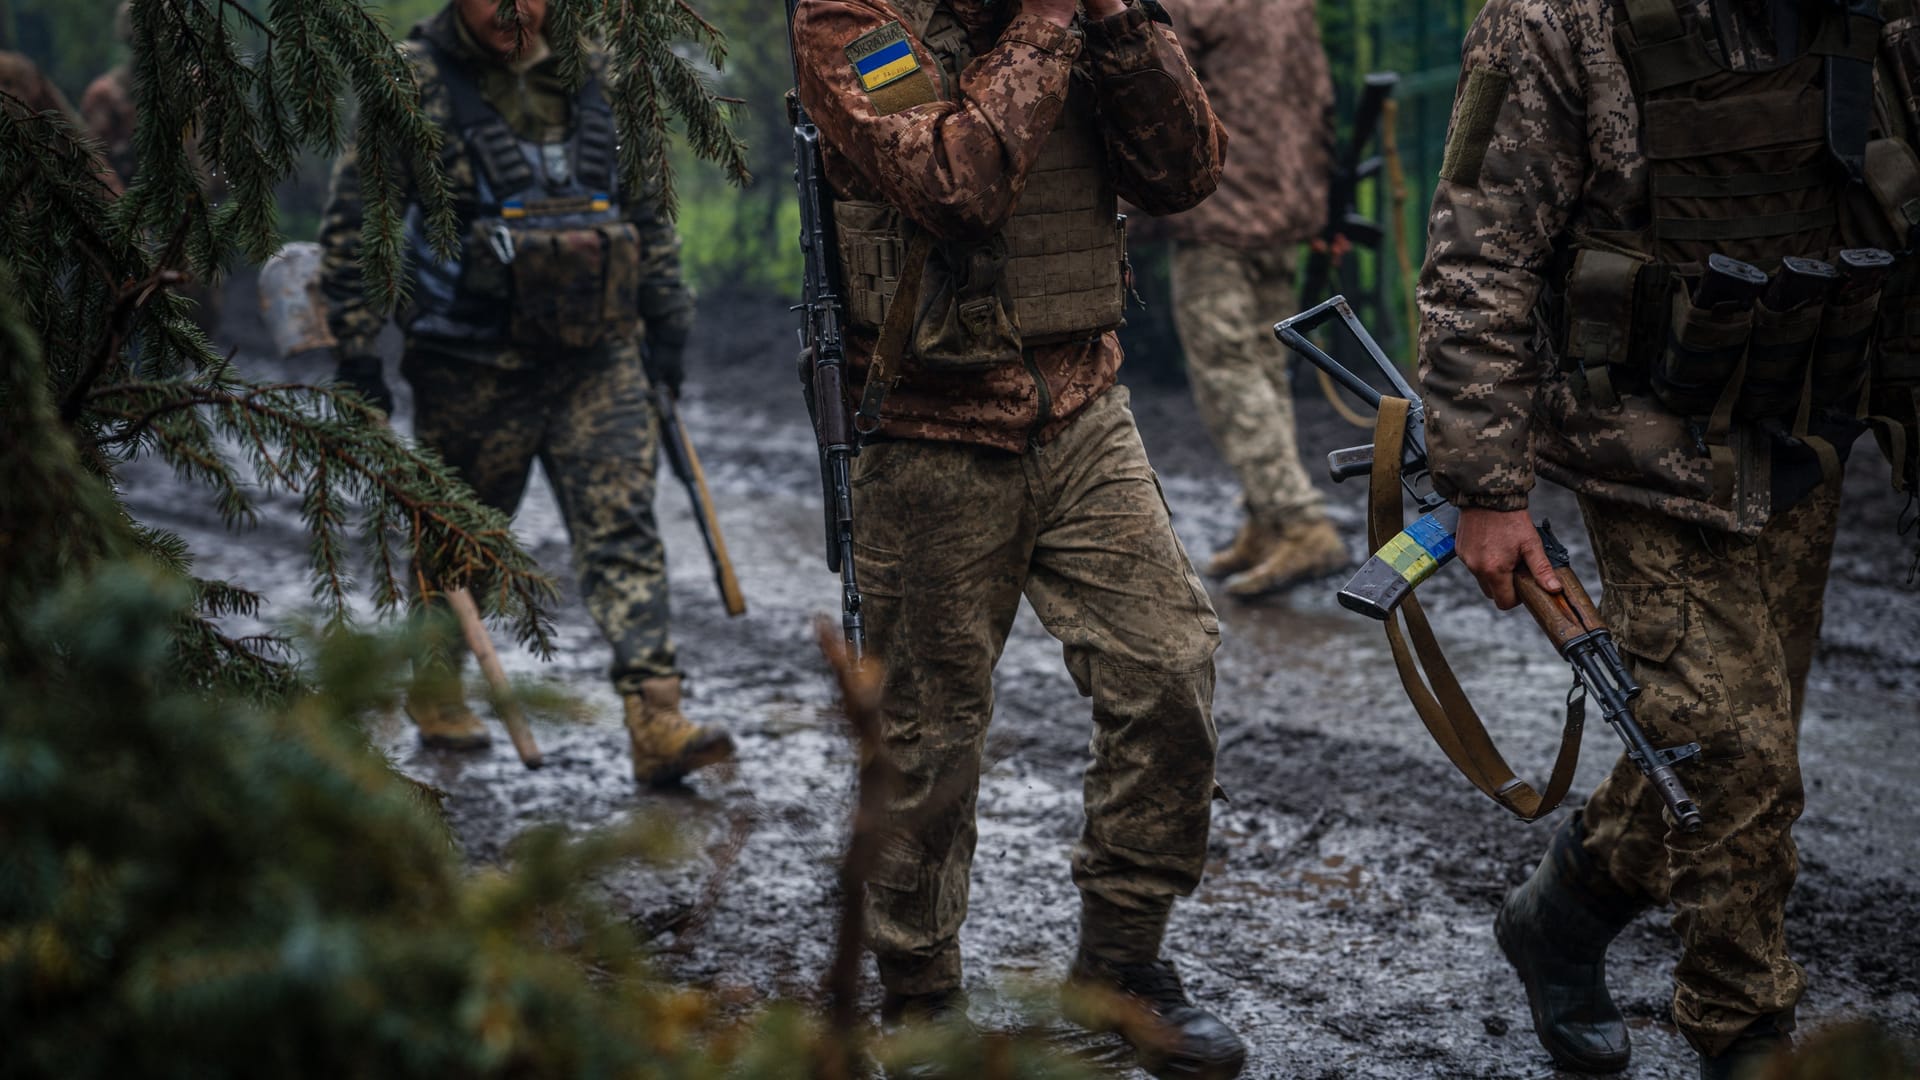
{"x": 1422, "y": 548}
{"x": 886, "y": 65}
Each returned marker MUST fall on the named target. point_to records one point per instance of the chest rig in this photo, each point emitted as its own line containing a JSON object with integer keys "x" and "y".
{"x": 1757, "y": 166}
{"x": 545, "y": 258}
{"x": 1053, "y": 274}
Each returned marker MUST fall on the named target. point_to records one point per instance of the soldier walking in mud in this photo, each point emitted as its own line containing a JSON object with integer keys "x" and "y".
{"x": 1692, "y": 201}
{"x": 977, "y": 149}
{"x": 1233, "y": 273}
{"x": 527, "y": 344}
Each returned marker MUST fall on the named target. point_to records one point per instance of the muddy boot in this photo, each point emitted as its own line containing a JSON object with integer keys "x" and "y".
{"x": 1747, "y": 1059}
{"x": 1554, "y": 930}
{"x": 1249, "y": 545}
{"x": 446, "y": 724}
{"x": 666, "y": 745}
{"x": 1145, "y": 1004}
{"x": 1304, "y": 550}
{"x": 944, "y": 1009}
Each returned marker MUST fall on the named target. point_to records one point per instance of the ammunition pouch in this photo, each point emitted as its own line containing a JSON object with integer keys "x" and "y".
{"x": 1841, "y": 353}
{"x": 965, "y": 321}
{"x": 1778, "y": 354}
{"x": 1703, "y": 353}
{"x": 575, "y": 288}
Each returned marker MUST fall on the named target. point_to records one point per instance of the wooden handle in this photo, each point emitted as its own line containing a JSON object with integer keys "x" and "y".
{"x": 504, "y": 702}
{"x": 1563, "y": 616}
{"x": 730, "y": 594}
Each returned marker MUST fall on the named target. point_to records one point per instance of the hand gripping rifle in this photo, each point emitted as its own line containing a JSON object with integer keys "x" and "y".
{"x": 1403, "y": 558}
{"x": 823, "y": 356}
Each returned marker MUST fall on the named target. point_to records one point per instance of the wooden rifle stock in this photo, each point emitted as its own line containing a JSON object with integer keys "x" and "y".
{"x": 500, "y": 691}
{"x": 1563, "y": 616}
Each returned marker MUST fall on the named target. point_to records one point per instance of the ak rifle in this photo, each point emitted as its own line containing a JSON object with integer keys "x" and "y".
{"x": 1404, "y": 557}
{"x": 823, "y": 356}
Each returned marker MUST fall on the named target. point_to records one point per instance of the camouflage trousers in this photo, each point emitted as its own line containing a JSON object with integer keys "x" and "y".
{"x": 951, "y": 536}
{"x": 593, "y": 429}
{"x": 1225, "y": 303}
{"x": 1720, "y": 631}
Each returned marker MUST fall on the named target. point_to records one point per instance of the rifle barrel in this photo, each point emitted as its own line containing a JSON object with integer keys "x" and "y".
{"x": 1592, "y": 666}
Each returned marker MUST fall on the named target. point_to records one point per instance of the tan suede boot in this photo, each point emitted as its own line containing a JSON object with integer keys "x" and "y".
{"x": 1304, "y": 551}
{"x": 1249, "y": 546}
{"x": 446, "y": 723}
{"x": 666, "y": 745}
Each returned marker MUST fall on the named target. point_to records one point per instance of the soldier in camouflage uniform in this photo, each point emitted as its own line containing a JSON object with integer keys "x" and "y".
{"x": 981, "y": 147}
{"x": 527, "y": 345}
{"x": 1233, "y": 275}
{"x": 1600, "y": 154}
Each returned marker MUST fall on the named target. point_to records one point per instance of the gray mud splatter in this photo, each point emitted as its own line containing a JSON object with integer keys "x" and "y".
{"x": 1344, "y": 926}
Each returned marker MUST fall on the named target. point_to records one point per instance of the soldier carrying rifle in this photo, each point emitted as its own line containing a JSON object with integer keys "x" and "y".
{"x": 976, "y": 150}
{"x": 1658, "y": 275}
{"x": 527, "y": 344}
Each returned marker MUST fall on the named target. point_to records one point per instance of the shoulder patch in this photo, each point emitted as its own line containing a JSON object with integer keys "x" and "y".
{"x": 888, "y": 70}
{"x": 1474, "y": 116}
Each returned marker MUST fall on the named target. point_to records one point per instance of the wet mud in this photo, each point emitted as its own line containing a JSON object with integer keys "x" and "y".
{"x": 1344, "y": 926}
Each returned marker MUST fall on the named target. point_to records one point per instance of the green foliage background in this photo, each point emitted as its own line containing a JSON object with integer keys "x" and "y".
{"x": 745, "y": 237}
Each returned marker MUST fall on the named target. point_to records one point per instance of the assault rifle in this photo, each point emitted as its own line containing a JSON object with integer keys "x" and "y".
{"x": 1346, "y": 227}
{"x": 823, "y": 355}
{"x": 1406, "y": 557}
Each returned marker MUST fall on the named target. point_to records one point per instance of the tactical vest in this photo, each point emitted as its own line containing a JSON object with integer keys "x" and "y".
{"x": 1756, "y": 165}
{"x": 1054, "y": 273}
{"x": 545, "y": 258}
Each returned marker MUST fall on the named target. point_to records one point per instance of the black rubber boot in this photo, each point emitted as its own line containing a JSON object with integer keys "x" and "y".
{"x": 1748, "y": 1056}
{"x": 1146, "y": 1005}
{"x": 1554, "y": 930}
{"x": 947, "y": 1009}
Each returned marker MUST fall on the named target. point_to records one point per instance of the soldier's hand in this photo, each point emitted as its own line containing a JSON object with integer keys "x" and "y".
{"x": 1057, "y": 12}
{"x": 1495, "y": 543}
{"x": 666, "y": 365}
{"x": 363, "y": 375}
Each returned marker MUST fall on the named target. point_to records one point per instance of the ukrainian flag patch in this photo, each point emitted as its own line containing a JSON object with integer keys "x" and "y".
{"x": 882, "y": 57}
{"x": 513, "y": 208}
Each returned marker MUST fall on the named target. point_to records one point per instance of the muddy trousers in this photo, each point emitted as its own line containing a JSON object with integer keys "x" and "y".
{"x": 1225, "y": 303}
{"x": 591, "y": 426}
{"x": 1720, "y": 631}
{"x": 950, "y": 537}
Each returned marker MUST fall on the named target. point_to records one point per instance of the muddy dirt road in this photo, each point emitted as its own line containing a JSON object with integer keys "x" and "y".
{"x": 1344, "y": 926}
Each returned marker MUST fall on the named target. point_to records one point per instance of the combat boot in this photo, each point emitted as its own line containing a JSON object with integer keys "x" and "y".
{"x": 1249, "y": 546}
{"x": 666, "y": 745}
{"x": 944, "y": 1009}
{"x": 1764, "y": 1039}
{"x": 1145, "y": 1004}
{"x": 1304, "y": 550}
{"x": 1554, "y": 930}
{"x": 446, "y": 723}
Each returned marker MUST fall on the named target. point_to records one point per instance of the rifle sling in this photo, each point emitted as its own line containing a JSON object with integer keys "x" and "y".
{"x": 1429, "y": 680}
{"x": 888, "y": 349}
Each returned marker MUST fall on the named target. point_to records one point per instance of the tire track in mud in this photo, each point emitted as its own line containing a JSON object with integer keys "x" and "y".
{"x": 1345, "y": 923}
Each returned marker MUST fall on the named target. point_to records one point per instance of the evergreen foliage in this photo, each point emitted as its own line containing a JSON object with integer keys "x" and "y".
{"x": 243, "y": 91}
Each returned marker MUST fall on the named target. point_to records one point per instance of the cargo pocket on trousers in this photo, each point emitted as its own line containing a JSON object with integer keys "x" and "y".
{"x": 1647, "y": 620}
{"x": 1680, "y": 697}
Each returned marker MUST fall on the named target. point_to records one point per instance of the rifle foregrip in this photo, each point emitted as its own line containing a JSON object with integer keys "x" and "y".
{"x": 1401, "y": 564}
{"x": 1564, "y": 617}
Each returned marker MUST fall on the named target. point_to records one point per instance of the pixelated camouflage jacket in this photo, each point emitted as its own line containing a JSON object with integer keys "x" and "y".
{"x": 956, "y": 167}
{"x": 528, "y": 99}
{"x": 1562, "y": 158}
{"x": 1266, "y": 75}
